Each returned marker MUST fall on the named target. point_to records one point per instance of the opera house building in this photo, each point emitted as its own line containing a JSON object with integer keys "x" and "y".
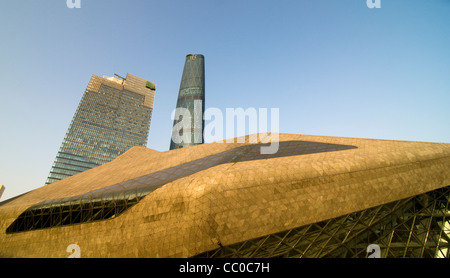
{"x": 318, "y": 196}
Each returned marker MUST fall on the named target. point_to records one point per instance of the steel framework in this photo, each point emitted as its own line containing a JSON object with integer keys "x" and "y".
{"x": 417, "y": 227}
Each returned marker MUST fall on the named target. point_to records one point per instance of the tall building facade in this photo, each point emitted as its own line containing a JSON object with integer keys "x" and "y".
{"x": 2, "y": 189}
{"x": 191, "y": 101}
{"x": 113, "y": 116}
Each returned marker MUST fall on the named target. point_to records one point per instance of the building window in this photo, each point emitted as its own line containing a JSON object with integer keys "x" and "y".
{"x": 85, "y": 208}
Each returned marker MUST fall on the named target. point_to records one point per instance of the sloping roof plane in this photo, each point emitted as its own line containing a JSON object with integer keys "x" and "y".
{"x": 187, "y": 201}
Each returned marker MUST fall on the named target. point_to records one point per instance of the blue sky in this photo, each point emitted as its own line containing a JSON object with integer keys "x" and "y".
{"x": 333, "y": 68}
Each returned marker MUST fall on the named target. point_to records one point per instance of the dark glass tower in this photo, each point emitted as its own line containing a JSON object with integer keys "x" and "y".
{"x": 191, "y": 99}
{"x": 113, "y": 116}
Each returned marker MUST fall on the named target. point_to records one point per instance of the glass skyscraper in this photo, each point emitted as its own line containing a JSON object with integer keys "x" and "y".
{"x": 113, "y": 116}
{"x": 191, "y": 98}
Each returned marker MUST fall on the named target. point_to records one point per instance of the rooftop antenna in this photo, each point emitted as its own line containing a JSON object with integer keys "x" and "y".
{"x": 123, "y": 78}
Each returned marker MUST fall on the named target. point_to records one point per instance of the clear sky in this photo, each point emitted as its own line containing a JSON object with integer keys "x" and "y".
{"x": 332, "y": 67}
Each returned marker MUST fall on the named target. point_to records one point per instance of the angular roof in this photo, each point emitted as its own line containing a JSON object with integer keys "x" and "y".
{"x": 197, "y": 198}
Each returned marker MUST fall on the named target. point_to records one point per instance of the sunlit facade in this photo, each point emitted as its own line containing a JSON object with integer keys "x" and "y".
{"x": 2, "y": 190}
{"x": 415, "y": 227}
{"x": 317, "y": 197}
{"x": 113, "y": 116}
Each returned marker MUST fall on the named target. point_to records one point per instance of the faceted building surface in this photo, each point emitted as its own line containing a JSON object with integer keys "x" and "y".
{"x": 113, "y": 116}
{"x": 318, "y": 196}
{"x": 2, "y": 190}
{"x": 188, "y": 129}
{"x": 414, "y": 227}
